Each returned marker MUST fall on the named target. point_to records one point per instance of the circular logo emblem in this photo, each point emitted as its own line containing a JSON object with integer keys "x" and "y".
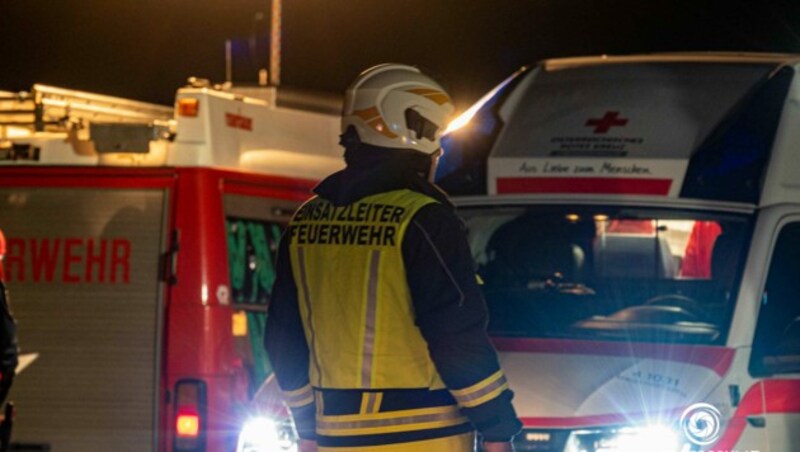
{"x": 701, "y": 423}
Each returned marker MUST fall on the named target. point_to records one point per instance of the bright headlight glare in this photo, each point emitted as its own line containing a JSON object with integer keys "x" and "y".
{"x": 265, "y": 435}
{"x": 651, "y": 438}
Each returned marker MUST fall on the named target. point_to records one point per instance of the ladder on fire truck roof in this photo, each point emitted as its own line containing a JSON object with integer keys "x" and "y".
{"x": 47, "y": 108}
{"x": 113, "y": 124}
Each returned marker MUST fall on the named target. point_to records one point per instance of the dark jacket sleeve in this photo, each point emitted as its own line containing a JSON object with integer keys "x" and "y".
{"x": 452, "y": 316}
{"x": 8, "y": 345}
{"x": 287, "y": 348}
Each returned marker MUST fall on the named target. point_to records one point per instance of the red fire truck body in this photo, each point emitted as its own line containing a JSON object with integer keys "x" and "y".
{"x": 140, "y": 258}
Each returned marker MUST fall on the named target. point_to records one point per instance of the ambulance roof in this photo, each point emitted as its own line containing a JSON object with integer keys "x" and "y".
{"x": 673, "y": 57}
{"x": 712, "y": 126}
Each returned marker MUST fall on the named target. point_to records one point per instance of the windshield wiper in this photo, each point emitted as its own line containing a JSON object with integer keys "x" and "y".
{"x": 600, "y": 326}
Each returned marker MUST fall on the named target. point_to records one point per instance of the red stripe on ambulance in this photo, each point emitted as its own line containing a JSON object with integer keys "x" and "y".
{"x": 69, "y": 260}
{"x": 767, "y": 397}
{"x": 594, "y": 185}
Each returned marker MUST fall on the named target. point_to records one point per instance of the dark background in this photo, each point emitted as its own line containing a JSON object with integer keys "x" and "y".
{"x": 145, "y": 49}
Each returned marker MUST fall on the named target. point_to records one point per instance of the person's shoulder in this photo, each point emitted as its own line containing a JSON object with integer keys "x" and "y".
{"x": 437, "y": 215}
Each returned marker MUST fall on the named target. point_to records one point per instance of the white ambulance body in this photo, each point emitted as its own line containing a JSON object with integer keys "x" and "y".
{"x": 636, "y": 221}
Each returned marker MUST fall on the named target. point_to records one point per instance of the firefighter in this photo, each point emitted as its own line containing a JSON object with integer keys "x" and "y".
{"x": 377, "y": 325}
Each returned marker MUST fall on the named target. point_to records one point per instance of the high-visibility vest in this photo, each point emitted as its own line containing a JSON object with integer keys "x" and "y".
{"x": 353, "y": 295}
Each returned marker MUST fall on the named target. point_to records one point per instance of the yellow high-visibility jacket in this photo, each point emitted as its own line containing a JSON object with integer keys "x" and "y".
{"x": 359, "y": 324}
{"x": 370, "y": 366}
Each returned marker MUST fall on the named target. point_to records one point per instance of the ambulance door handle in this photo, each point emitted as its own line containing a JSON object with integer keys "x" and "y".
{"x": 757, "y": 421}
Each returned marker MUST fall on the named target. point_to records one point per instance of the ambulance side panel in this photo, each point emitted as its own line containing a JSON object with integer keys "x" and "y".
{"x": 776, "y": 345}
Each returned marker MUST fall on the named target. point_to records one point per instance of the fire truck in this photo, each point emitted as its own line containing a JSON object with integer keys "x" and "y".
{"x": 636, "y": 223}
{"x": 140, "y": 243}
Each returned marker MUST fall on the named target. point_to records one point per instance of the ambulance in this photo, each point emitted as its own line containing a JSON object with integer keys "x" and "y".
{"x": 140, "y": 243}
{"x": 636, "y": 224}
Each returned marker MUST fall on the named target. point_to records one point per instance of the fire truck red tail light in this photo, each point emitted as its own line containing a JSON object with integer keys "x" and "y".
{"x": 187, "y": 425}
{"x": 190, "y": 416}
{"x": 188, "y": 107}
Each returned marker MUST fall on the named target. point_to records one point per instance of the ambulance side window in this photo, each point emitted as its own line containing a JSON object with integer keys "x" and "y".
{"x": 777, "y": 342}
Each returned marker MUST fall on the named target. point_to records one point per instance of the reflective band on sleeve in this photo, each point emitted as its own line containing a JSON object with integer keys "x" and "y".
{"x": 298, "y": 397}
{"x": 481, "y": 392}
{"x": 390, "y": 422}
{"x": 368, "y": 352}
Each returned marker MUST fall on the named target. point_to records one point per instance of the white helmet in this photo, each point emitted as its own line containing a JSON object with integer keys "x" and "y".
{"x": 397, "y": 106}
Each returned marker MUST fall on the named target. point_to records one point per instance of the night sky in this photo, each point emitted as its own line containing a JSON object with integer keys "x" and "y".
{"x": 145, "y": 49}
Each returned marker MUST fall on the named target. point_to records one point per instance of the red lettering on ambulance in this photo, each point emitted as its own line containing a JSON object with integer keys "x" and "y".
{"x": 44, "y": 259}
{"x": 121, "y": 257}
{"x": 15, "y": 259}
{"x": 98, "y": 260}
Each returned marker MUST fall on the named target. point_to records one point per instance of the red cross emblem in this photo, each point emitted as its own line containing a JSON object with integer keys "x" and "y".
{"x": 609, "y": 120}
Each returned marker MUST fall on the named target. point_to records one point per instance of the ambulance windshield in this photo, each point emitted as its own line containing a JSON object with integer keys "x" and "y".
{"x": 589, "y": 272}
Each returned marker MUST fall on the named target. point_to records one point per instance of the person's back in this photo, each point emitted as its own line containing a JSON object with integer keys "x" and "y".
{"x": 376, "y": 327}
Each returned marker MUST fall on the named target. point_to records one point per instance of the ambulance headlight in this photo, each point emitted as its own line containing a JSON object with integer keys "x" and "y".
{"x": 651, "y": 438}
{"x": 266, "y": 435}
{"x": 700, "y": 425}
